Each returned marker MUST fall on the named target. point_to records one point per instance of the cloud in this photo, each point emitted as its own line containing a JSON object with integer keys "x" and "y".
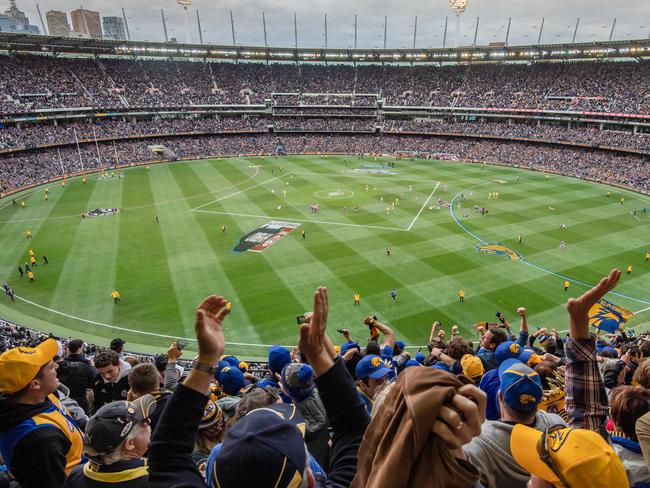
{"x": 560, "y": 16}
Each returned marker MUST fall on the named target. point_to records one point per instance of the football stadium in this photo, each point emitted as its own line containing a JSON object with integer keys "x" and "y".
{"x": 427, "y": 259}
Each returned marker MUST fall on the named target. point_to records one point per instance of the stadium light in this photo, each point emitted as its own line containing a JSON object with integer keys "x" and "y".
{"x": 185, "y": 4}
{"x": 457, "y": 7}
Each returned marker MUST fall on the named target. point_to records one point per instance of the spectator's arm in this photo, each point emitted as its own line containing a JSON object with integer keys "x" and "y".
{"x": 522, "y": 339}
{"x": 611, "y": 376}
{"x": 586, "y": 400}
{"x": 171, "y": 376}
{"x": 170, "y": 462}
{"x": 344, "y": 408}
{"x": 389, "y": 335}
{"x": 434, "y": 329}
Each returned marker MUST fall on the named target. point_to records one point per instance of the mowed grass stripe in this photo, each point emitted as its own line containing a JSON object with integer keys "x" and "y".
{"x": 88, "y": 273}
{"x": 143, "y": 259}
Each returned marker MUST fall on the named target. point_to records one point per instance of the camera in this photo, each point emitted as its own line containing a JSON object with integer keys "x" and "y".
{"x": 301, "y": 319}
{"x": 180, "y": 344}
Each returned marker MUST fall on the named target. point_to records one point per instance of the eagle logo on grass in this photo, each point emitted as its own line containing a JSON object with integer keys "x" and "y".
{"x": 500, "y": 250}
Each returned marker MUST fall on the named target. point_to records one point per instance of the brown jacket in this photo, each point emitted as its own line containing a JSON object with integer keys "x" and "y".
{"x": 399, "y": 449}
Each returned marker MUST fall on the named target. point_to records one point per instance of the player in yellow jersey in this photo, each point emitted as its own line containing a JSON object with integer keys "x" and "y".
{"x": 115, "y": 295}
{"x": 30, "y": 275}
{"x": 32, "y": 260}
{"x": 28, "y": 234}
{"x": 63, "y": 184}
{"x": 31, "y": 253}
{"x": 223, "y": 228}
{"x": 629, "y": 269}
{"x": 357, "y": 299}
{"x": 566, "y": 285}
{"x": 23, "y": 204}
{"x": 647, "y": 256}
{"x": 622, "y": 200}
{"x": 461, "y": 295}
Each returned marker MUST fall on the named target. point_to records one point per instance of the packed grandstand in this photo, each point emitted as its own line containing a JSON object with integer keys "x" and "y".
{"x": 503, "y": 408}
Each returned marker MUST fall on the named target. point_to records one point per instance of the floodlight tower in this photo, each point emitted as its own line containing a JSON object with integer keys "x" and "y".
{"x": 457, "y": 7}
{"x": 185, "y": 4}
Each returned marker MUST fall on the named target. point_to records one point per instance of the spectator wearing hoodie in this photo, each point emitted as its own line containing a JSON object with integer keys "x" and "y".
{"x": 111, "y": 381}
{"x": 39, "y": 441}
{"x": 520, "y": 392}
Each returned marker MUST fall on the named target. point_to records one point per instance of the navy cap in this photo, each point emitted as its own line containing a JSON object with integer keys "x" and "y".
{"x": 419, "y": 357}
{"x": 113, "y": 422}
{"x": 521, "y": 386}
{"x": 371, "y": 366}
{"x": 263, "y": 449}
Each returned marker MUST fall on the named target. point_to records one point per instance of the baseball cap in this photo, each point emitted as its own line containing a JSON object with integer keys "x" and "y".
{"x": 581, "y": 457}
{"x": 419, "y": 357}
{"x": 279, "y": 357}
{"x": 529, "y": 357}
{"x": 543, "y": 340}
{"x": 521, "y": 387}
{"x": 231, "y": 380}
{"x": 400, "y": 345}
{"x": 472, "y": 366}
{"x": 113, "y": 422}
{"x": 117, "y": 343}
{"x": 263, "y": 449}
{"x": 371, "y": 366}
{"x": 412, "y": 362}
{"x": 507, "y": 350}
{"x": 20, "y": 365}
{"x": 349, "y": 345}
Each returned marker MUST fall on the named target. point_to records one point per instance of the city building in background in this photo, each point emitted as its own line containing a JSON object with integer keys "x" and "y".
{"x": 15, "y": 20}
{"x": 87, "y": 22}
{"x": 114, "y": 28}
{"x": 57, "y": 23}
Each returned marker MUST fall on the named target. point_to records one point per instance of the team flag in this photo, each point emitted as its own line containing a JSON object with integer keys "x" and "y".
{"x": 607, "y": 317}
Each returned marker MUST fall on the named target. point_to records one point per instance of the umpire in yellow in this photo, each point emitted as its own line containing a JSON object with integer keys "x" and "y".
{"x": 39, "y": 441}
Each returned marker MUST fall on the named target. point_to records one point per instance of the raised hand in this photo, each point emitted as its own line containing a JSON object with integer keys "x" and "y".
{"x": 578, "y": 308}
{"x": 313, "y": 341}
{"x": 458, "y": 425}
{"x": 207, "y": 327}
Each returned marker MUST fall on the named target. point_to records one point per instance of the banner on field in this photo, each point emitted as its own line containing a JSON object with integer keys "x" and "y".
{"x": 263, "y": 237}
{"x": 608, "y": 317}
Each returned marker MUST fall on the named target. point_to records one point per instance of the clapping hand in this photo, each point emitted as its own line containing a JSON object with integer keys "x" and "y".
{"x": 207, "y": 327}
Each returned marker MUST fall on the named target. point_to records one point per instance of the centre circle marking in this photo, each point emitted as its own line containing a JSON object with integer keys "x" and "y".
{"x": 335, "y": 194}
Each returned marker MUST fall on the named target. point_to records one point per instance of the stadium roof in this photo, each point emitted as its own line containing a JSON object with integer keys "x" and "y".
{"x": 637, "y": 49}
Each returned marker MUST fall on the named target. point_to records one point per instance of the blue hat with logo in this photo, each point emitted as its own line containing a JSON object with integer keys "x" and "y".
{"x": 349, "y": 345}
{"x": 507, "y": 350}
{"x": 419, "y": 357}
{"x": 231, "y": 380}
{"x": 279, "y": 357}
{"x": 371, "y": 366}
{"x": 521, "y": 387}
{"x": 265, "y": 448}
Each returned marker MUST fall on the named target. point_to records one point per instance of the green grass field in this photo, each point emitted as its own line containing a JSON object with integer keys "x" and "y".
{"x": 164, "y": 269}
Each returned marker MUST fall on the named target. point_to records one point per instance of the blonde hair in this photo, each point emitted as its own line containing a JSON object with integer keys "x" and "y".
{"x": 380, "y": 397}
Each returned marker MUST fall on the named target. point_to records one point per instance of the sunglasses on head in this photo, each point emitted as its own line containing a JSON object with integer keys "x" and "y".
{"x": 545, "y": 455}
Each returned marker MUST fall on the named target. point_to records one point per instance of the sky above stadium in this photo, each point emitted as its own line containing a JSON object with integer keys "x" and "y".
{"x": 596, "y": 19}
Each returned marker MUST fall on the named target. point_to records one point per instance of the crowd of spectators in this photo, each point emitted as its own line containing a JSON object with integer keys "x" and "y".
{"x": 499, "y": 406}
{"x": 20, "y": 169}
{"x": 32, "y": 135}
{"x": 30, "y": 82}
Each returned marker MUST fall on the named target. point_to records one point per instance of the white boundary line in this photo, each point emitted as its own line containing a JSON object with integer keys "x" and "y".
{"x": 300, "y": 220}
{"x": 124, "y": 329}
{"x": 238, "y": 192}
{"x": 423, "y": 206}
